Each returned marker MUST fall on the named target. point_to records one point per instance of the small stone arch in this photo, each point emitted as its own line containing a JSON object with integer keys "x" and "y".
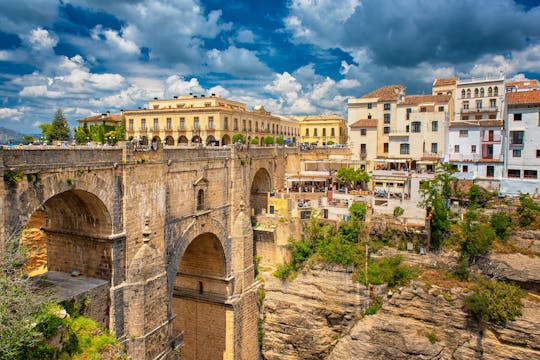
{"x": 196, "y": 139}
{"x": 261, "y": 185}
{"x": 169, "y": 140}
{"x": 182, "y": 140}
{"x": 209, "y": 139}
{"x": 156, "y": 139}
{"x": 225, "y": 140}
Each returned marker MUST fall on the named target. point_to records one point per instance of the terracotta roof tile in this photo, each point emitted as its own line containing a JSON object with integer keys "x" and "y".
{"x": 108, "y": 117}
{"x": 389, "y": 92}
{"x": 422, "y": 99}
{"x": 364, "y": 123}
{"x": 445, "y": 82}
{"x": 523, "y": 97}
{"x": 523, "y": 84}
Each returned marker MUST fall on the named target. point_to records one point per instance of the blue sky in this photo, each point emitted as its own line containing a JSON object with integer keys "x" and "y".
{"x": 295, "y": 57}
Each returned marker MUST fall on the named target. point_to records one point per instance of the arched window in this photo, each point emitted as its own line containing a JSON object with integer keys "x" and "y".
{"x": 200, "y": 199}
{"x": 496, "y": 91}
{"x": 468, "y": 93}
{"x": 463, "y": 93}
{"x": 482, "y": 92}
{"x": 490, "y": 91}
{"x": 476, "y": 92}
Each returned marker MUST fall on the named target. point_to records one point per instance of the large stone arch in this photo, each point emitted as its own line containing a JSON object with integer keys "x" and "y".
{"x": 261, "y": 185}
{"x": 201, "y": 285}
{"x": 225, "y": 140}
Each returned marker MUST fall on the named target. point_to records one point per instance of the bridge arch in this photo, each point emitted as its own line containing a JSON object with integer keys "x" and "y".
{"x": 225, "y": 140}
{"x": 169, "y": 140}
{"x": 182, "y": 140}
{"x": 200, "y": 288}
{"x": 261, "y": 185}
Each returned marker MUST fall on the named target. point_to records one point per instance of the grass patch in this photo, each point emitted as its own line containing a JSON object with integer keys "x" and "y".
{"x": 373, "y": 308}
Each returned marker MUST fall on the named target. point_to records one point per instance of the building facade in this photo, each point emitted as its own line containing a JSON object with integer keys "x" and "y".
{"x": 210, "y": 120}
{"x": 322, "y": 129}
{"x": 522, "y": 145}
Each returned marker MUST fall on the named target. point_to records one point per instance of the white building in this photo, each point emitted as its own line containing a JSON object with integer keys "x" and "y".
{"x": 523, "y": 143}
{"x": 475, "y": 142}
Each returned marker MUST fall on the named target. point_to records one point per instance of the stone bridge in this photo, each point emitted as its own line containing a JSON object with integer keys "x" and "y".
{"x": 168, "y": 232}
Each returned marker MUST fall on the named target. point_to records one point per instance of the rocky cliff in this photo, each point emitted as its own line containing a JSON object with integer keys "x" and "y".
{"x": 423, "y": 322}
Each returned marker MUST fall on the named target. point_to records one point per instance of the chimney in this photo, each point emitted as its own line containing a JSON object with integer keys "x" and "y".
{"x": 155, "y": 98}
{"x": 213, "y": 94}
{"x": 202, "y": 95}
{"x": 176, "y": 97}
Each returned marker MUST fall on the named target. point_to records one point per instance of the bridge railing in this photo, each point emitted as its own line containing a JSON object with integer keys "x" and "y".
{"x": 46, "y": 156}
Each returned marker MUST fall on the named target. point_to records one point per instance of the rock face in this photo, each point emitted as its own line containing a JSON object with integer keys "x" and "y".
{"x": 523, "y": 269}
{"x": 423, "y": 323}
{"x": 305, "y": 318}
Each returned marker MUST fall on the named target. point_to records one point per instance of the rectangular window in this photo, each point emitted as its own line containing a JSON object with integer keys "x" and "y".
{"x": 385, "y": 147}
{"x": 434, "y": 148}
{"x": 387, "y": 118}
{"x": 416, "y": 126}
{"x": 369, "y": 105}
{"x": 386, "y": 130}
{"x": 130, "y": 124}
{"x": 473, "y": 149}
{"x": 182, "y": 123}
{"x": 169, "y": 123}
{"x": 530, "y": 174}
{"x": 387, "y": 106}
{"x": 465, "y": 105}
{"x": 409, "y": 110}
{"x": 514, "y": 173}
{"x": 363, "y": 132}
{"x": 156, "y": 124}
{"x": 465, "y": 168}
{"x": 244, "y": 128}
{"x": 441, "y": 108}
{"x": 490, "y": 171}
{"x": 307, "y": 132}
{"x": 196, "y": 124}
{"x": 517, "y": 117}
{"x": 423, "y": 109}
{"x": 324, "y": 132}
{"x": 404, "y": 149}
{"x": 235, "y": 124}
{"x": 143, "y": 124}
{"x": 456, "y": 148}
{"x": 463, "y": 133}
{"x": 478, "y": 104}
{"x": 538, "y": 153}
{"x": 332, "y": 132}
{"x": 465, "y": 117}
{"x": 516, "y": 137}
{"x": 516, "y": 153}
{"x": 492, "y": 103}
{"x": 226, "y": 123}
{"x": 363, "y": 148}
{"x": 210, "y": 122}
{"x": 434, "y": 126}
{"x": 315, "y": 133}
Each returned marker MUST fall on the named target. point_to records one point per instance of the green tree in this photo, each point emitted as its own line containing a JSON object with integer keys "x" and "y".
{"x": 58, "y": 129}
{"x": 82, "y": 134}
{"x": 239, "y": 137}
{"x": 495, "y": 301}
{"x": 279, "y": 140}
{"x": 474, "y": 195}
{"x": 255, "y": 141}
{"x": 436, "y": 196}
{"x": 528, "y": 211}
{"x": 28, "y": 139}
{"x": 358, "y": 210}
{"x": 500, "y": 222}
{"x": 351, "y": 176}
{"x": 268, "y": 140}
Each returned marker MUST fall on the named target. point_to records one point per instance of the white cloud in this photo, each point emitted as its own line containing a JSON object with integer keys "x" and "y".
{"x": 12, "y": 114}
{"x": 40, "y": 91}
{"x": 127, "y": 98}
{"x": 236, "y": 61}
{"x": 175, "y": 85}
{"x": 40, "y": 39}
{"x": 245, "y": 36}
{"x": 114, "y": 40}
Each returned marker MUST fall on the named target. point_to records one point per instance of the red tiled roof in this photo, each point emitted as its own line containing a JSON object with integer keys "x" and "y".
{"x": 107, "y": 117}
{"x": 523, "y": 84}
{"x": 491, "y": 123}
{"x": 445, "y": 82}
{"x": 364, "y": 123}
{"x": 421, "y": 99}
{"x": 389, "y": 92}
{"x": 523, "y": 97}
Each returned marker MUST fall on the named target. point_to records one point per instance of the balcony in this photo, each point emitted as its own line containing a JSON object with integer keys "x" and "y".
{"x": 182, "y": 129}
{"x": 457, "y": 157}
{"x": 210, "y": 128}
{"x": 490, "y": 139}
{"x": 479, "y": 110}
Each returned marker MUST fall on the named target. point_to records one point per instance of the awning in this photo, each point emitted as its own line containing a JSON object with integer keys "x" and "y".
{"x": 427, "y": 162}
{"x": 397, "y": 181}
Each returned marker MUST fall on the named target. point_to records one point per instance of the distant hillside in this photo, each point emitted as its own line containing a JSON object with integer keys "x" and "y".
{"x": 8, "y": 134}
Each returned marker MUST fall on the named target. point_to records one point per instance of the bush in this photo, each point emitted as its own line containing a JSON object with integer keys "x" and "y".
{"x": 500, "y": 223}
{"x": 373, "y": 308}
{"x": 255, "y": 141}
{"x": 495, "y": 301}
{"x": 284, "y": 271}
{"x": 528, "y": 211}
{"x": 358, "y": 210}
{"x": 398, "y": 211}
{"x": 338, "y": 250}
{"x": 387, "y": 270}
{"x": 462, "y": 270}
{"x": 479, "y": 240}
{"x": 268, "y": 140}
{"x": 239, "y": 138}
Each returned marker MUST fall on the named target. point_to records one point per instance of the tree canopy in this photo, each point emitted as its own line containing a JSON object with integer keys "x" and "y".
{"x": 58, "y": 129}
{"x": 352, "y": 176}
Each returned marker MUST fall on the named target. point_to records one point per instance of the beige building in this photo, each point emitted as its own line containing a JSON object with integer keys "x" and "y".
{"x": 322, "y": 129}
{"x": 106, "y": 119}
{"x": 212, "y": 120}
{"x": 446, "y": 86}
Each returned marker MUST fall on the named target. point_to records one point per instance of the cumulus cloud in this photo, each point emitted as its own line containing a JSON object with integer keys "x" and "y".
{"x": 236, "y": 61}
{"x": 115, "y": 40}
{"x": 14, "y": 114}
{"x": 245, "y": 36}
{"x": 41, "y": 39}
{"x": 175, "y": 85}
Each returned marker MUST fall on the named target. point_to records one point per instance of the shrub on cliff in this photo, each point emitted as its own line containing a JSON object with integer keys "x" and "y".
{"x": 495, "y": 301}
{"x": 388, "y": 270}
